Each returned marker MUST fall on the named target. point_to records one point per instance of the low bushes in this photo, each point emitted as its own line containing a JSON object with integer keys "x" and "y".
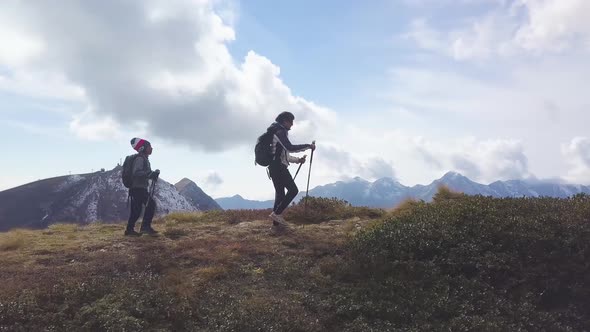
{"x": 474, "y": 262}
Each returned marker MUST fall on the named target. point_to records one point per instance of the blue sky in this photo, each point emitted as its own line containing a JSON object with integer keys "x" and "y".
{"x": 494, "y": 89}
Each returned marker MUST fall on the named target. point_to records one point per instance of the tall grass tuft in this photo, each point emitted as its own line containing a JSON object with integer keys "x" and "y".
{"x": 12, "y": 241}
{"x": 445, "y": 193}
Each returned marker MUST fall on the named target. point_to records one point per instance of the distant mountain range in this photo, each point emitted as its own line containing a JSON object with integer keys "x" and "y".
{"x": 86, "y": 198}
{"x": 238, "y": 202}
{"x": 387, "y": 193}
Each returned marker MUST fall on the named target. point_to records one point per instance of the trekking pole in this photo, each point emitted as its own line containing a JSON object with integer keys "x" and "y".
{"x": 152, "y": 190}
{"x": 298, "y": 168}
{"x": 308, "y": 176}
{"x": 150, "y": 195}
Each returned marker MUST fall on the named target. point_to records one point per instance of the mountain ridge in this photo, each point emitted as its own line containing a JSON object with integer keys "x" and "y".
{"x": 387, "y": 192}
{"x": 89, "y": 197}
{"x": 191, "y": 191}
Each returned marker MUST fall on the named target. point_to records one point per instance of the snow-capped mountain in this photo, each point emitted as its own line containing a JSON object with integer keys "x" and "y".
{"x": 387, "y": 192}
{"x": 82, "y": 198}
{"x": 362, "y": 192}
{"x": 454, "y": 181}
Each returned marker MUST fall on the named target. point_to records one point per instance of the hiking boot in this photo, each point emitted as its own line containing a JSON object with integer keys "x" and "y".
{"x": 149, "y": 231}
{"x": 278, "y": 220}
{"x": 131, "y": 232}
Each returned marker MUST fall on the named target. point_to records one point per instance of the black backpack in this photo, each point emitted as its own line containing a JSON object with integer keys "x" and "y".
{"x": 127, "y": 173}
{"x": 263, "y": 149}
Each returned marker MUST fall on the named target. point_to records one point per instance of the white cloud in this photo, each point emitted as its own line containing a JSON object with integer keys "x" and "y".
{"x": 419, "y": 159}
{"x": 17, "y": 49}
{"x": 160, "y": 65}
{"x": 40, "y": 83}
{"x": 18, "y": 46}
{"x": 334, "y": 163}
{"x": 539, "y": 104}
{"x": 485, "y": 160}
{"x": 90, "y": 126}
{"x": 491, "y": 160}
{"x": 577, "y": 154}
{"x": 421, "y": 155}
{"x": 516, "y": 27}
{"x": 555, "y": 25}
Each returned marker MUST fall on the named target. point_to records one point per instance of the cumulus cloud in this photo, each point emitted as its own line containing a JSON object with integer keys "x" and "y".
{"x": 428, "y": 157}
{"x": 577, "y": 155}
{"x": 420, "y": 158}
{"x": 491, "y": 160}
{"x": 511, "y": 28}
{"x": 377, "y": 167}
{"x": 483, "y": 38}
{"x": 338, "y": 163}
{"x": 554, "y": 25}
{"x": 480, "y": 160}
{"x": 88, "y": 126}
{"x": 160, "y": 65}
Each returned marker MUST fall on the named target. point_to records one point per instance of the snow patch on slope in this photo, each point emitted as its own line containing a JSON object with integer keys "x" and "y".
{"x": 69, "y": 181}
{"x": 168, "y": 199}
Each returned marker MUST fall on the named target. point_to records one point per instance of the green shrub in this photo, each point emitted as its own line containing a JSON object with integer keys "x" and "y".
{"x": 474, "y": 263}
{"x": 131, "y": 302}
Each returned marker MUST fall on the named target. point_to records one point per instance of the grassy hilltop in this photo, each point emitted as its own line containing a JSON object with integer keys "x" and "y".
{"x": 459, "y": 263}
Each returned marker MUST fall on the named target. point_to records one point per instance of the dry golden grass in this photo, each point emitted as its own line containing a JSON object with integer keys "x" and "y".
{"x": 63, "y": 228}
{"x": 199, "y": 264}
{"x": 210, "y": 273}
{"x": 183, "y": 217}
{"x": 406, "y": 206}
{"x": 12, "y": 241}
{"x": 445, "y": 193}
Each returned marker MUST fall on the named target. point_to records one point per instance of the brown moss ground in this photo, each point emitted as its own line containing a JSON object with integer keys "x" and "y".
{"x": 462, "y": 263}
{"x": 224, "y": 276}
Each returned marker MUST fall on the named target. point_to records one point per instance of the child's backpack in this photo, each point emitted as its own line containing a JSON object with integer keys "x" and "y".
{"x": 127, "y": 173}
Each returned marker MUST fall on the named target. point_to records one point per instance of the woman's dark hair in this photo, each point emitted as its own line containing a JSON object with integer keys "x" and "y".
{"x": 285, "y": 116}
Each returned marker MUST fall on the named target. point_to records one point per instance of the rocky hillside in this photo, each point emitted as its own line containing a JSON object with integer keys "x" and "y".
{"x": 82, "y": 199}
